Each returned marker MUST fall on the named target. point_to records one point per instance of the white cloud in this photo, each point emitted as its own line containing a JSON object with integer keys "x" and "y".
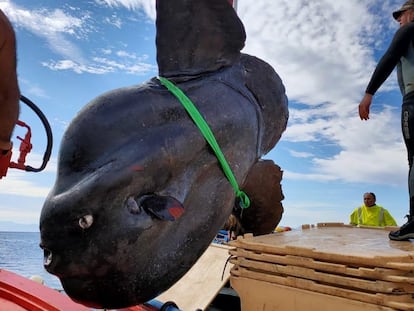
{"x": 19, "y": 215}
{"x": 126, "y": 54}
{"x": 114, "y": 20}
{"x": 56, "y": 27}
{"x": 65, "y": 30}
{"x": 317, "y": 47}
{"x": 69, "y": 64}
{"x": 323, "y": 51}
{"x": 32, "y": 88}
{"x": 26, "y": 183}
{"x": 384, "y": 166}
{"x": 147, "y": 5}
{"x": 17, "y": 183}
{"x": 297, "y": 154}
{"x": 100, "y": 66}
{"x": 131, "y": 68}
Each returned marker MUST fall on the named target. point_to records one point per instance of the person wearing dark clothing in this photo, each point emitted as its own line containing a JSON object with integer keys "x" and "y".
{"x": 399, "y": 54}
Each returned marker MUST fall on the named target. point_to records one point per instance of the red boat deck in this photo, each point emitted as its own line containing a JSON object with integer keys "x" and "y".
{"x": 18, "y": 293}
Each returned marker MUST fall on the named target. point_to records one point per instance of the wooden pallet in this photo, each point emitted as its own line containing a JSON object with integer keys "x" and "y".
{"x": 357, "y": 283}
{"x": 358, "y": 264}
{"x": 362, "y": 247}
{"x": 370, "y": 273}
{"x": 404, "y": 301}
{"x": 264, "y": 296}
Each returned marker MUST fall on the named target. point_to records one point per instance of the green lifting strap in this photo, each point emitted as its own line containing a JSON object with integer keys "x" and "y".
{"x": 209, "y": 136}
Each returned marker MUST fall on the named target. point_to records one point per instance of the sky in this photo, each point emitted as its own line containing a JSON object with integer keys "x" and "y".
{"x": 69, "y": 52}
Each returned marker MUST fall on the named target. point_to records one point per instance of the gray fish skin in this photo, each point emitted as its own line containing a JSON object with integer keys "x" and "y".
{"x": 139, "y": 194}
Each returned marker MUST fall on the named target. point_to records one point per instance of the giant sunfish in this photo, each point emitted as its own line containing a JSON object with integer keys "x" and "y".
{"x": 139, "y": 194}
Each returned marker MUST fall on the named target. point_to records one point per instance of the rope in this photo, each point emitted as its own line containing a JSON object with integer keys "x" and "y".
{"x": 209, "y": 136}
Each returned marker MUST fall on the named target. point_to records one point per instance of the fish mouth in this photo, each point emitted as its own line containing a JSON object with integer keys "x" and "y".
{"x": 47, "y": 257}
{"x": 96, "y": 286}
{"x": 97, "y": 293}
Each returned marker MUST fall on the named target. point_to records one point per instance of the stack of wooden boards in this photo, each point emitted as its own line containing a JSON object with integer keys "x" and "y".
{"x": 324, "y": 267}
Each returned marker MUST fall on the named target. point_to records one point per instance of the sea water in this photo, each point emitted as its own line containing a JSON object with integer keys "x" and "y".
{"x": 21, "y": 254}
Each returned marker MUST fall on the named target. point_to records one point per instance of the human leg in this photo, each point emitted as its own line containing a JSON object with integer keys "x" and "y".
{"x": 407, "y": 125}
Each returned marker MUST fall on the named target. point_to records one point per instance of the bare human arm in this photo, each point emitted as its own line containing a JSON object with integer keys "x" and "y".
{"x": 9, "y": 89}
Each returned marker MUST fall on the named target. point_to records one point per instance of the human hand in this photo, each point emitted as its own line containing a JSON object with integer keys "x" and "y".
{"x": 364, "y": 106}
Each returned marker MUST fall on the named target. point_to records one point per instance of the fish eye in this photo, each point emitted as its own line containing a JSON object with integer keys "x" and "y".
{"x": 132, "y": 206}
{"x": 47, "y": 257}
{"x": 86, "y": 221}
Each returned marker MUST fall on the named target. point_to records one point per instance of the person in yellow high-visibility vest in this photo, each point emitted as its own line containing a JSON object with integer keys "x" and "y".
{"x": 371, "y": 214}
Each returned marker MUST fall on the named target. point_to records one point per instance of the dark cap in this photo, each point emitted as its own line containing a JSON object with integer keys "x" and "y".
{"x": 406, "y": 6}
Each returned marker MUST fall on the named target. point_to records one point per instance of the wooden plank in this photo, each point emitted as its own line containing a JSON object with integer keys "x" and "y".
{"x": 198, "y": 287}
{"x": 388, "y": 300}
{"x": 374, "y": 286}
{"x": 264, "y": 296}
{"x": 364, "y": 247}
{"x": 375, "y": 273}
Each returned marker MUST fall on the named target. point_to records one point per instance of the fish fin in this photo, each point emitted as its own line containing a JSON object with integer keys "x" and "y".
{"x": 162, "y": 207}
{"x": 197, "y": 36}
{"x": 268, "y": 89}
{"x": 263, "y": 186}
